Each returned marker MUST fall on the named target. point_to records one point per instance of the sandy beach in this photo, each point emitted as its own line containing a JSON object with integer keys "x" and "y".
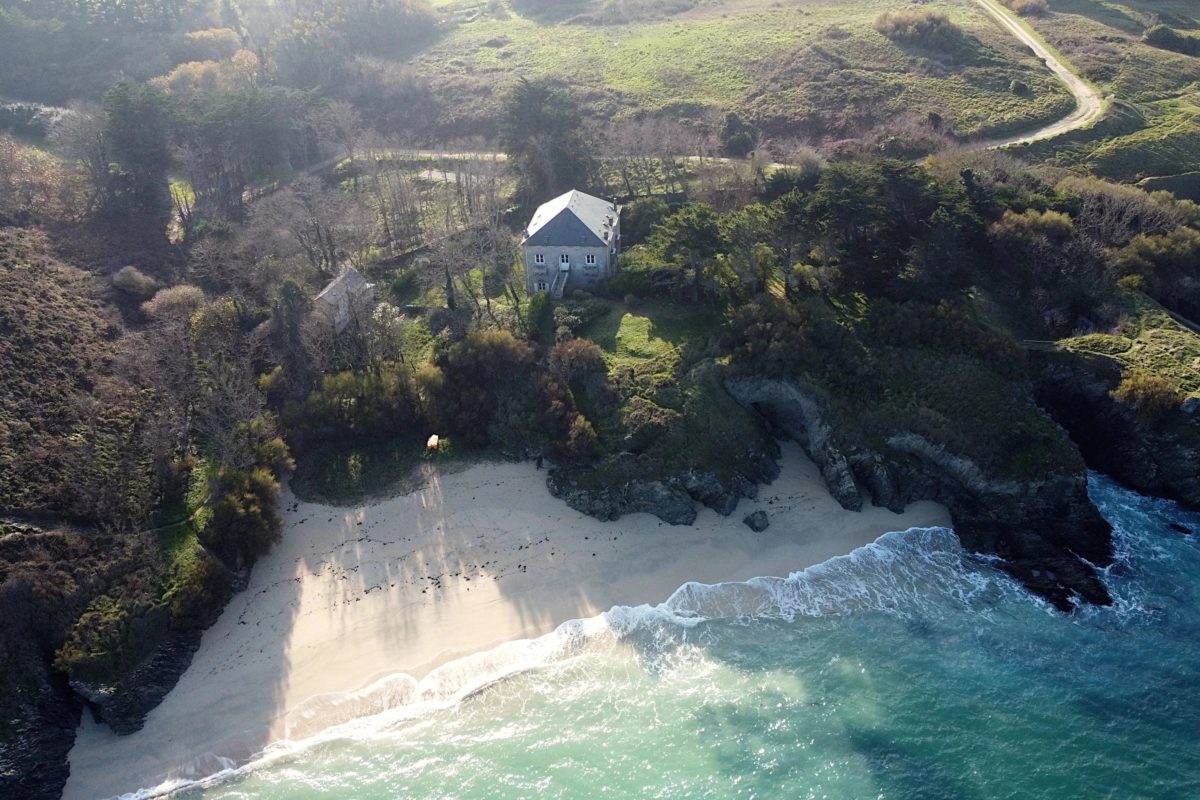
{"x": 404, "y": 585}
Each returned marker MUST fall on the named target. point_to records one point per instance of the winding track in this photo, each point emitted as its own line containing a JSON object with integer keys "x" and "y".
{"x": 1089, "y": 105}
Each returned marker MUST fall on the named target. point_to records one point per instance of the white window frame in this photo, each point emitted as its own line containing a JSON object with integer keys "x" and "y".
{"x": 591, "y": 258}
{"x": 564, "y": 259}
{"x": 539, "y": 258}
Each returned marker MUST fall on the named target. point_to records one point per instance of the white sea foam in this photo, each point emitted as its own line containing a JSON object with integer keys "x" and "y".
{"x": 905, "y": 572}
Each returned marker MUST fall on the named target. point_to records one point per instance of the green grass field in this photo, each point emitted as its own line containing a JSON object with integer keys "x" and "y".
{"x": 812, "y": 68}
{"x": 1151, "y": 340}
{"x": 1153, "y": 128}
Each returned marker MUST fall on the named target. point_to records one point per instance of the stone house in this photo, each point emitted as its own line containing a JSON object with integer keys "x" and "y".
{"x": 572, "y": 242}
{"x": 348, "y": 298}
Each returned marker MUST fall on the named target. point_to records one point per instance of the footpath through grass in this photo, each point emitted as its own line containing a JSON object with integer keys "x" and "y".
{"x": 1152, "y": 127}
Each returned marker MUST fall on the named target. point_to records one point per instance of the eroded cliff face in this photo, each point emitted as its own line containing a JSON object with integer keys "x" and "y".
{"x": 1045, "y": 529}
{"x": 672, "y": 498}
{"x": 48, "y": 579}
{"x": 1161, "y": 459}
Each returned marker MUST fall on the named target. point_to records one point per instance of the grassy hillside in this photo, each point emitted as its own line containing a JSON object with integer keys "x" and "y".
{"x": 812, "y": 68}
{"x": 69, "y": 431}
{"x": 1153, "y": 128}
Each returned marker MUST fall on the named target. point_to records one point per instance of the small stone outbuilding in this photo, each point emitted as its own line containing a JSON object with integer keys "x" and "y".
{"x": 348, "y": 298}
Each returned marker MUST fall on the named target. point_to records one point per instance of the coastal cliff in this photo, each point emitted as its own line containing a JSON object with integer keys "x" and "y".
{"x": 1045, "y": 529}
{"x": 1042, "y": 524}
{"x": 1159, "y": 457}
{"x": 88, "y": 630}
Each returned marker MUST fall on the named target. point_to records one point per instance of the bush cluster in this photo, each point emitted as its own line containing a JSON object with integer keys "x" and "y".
{"x": 918, "y": 26}
{"x": 1152, "y": 396}
{"x": 1028, "y": 8}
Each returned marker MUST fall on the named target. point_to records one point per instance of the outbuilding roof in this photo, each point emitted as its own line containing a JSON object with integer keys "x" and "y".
{"x": 351, "y": 282}
{"x": 573, "y": 219}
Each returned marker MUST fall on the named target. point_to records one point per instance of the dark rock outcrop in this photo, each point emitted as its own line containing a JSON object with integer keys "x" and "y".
{"x": 672, "y": 499}
{"x": 41, "y": 729}
{"x": 757, "y": 521}
{"x": 1046, "y": 530}
{"x": 47, "y": 579}
{"x": 670, "y": 504}
{"x": 1159, "y": 459}
{"x": 124, "y": 706}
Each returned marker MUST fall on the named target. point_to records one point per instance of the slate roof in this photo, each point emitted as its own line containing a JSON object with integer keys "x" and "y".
{"x": 350, "y": 283}
{"x": 346, "y": 296}
{"x": 573, "y": 219}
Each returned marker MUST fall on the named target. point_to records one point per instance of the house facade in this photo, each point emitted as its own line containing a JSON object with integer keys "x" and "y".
{"x": 572, "y": 242}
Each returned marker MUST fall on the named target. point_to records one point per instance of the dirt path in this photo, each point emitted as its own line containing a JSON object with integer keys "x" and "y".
{"x": 1089, "y": 105}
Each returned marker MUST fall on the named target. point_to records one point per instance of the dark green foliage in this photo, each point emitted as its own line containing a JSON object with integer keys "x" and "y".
{"x": 1054, "y": 278}
{"x": 1170, "y": 39}
{"x": 137, "y": 121}
{"x": 540, "y": 316}
{"x": 245, "y": 517}
{"x": 541, "y": 131}
{"x": 643, "y": 273}
{"x": 475, "y": 379}
{"x": 690, "y": 240}
{"x": 116, "y": 631}
{"x": 290, "y": 340}
{"x": 197, "y": 583}
{"x": 639, "y": 217}
{"x": 737, "y": 139}
{"x": 874, "y": 220}
{"x": 1165, "y": 266}
{"x": 913, "y": 368}
{"x": 785, "y": 180}
{"x": 1153, "y": 396}
{"x": 238, "y": 137}
{"x": 403, "y": 286}
{"x": 363, "y": 406}
{"x": 578, "y": 311}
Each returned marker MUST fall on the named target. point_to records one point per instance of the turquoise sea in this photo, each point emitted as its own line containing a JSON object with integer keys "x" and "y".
{"x": 908, "y": 669}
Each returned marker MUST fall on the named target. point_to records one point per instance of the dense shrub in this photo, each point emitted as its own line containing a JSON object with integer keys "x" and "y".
{"x": 1170, "y": 39}
{"x": 363, "y": 405}
{"x": 639, "y": 217}
{"x": 579, "y": 311}
{"x": 1027, "y": 8}
{"x": 404, "y": 286}
{"x": 175, "y": 302}
{"x": 540, "y": 315}
{"x": 575, "y": 359}
{"x": 1153, "y": 396}
{"x": 642, "y": 273}
{"x": 245, "y": 518}
{"x": 473, "y": 378}
{"x": 134, "y": 282}
{"x": 198, "y": 583}
{"x": 920, "y": 27}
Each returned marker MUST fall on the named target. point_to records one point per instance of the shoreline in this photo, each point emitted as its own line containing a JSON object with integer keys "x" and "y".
{"x": 388, "y": 592}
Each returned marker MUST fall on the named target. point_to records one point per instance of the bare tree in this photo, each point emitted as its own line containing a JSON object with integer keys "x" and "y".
{"x": 327, "y": 226}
